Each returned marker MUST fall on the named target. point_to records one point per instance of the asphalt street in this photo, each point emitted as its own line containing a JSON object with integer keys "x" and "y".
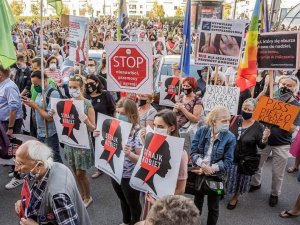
{"x": 252, "y": 208}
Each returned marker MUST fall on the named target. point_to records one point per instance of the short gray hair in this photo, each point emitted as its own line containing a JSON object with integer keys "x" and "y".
{"x": 250, "y": 101}
{"x": 38, "y": 151}
{"x": 174, "y": 210}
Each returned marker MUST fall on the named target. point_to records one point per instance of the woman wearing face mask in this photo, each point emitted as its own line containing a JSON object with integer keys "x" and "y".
{"x": 95, "y": 44}
{"x": 56, "y": 53}
{"x": 212, "y": 155}
{"x": 250, "y": 136}
{"x": 102, "y": 102}
{"x": 220, "y": 79}
{"x": 80, "y": 160}
{"x": 103, "y": 69}
{"x": 146, "y": 111}
{"x": 165, "y": 123}
{"x": 189, "y": 106}
{"x": 129, "y": 197}
{"x": 53, "y": 72}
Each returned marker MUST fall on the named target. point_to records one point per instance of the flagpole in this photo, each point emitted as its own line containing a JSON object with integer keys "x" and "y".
{"x": 42, "y": 65}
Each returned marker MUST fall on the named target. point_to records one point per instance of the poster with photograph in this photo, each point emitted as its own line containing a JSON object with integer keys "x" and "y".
{"x": 223, "y": 96}
{"x": 158, "y": 166}
{"x": 279, "y": 51}
{"x": 109, "y": 155}
{"x": 169, "y": 90}
{"x": 26, "y": 118}
{"x": 70, "y": 129}
{"x": 220, "y": 42}
{"x": 78, "y": 39}
{"x": 160, "y": 48}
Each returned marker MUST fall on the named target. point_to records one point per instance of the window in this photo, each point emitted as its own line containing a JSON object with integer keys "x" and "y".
{"x": 132, "y": 6}
{"x": 175, "y": 7}
{"x": 141, "y": 6}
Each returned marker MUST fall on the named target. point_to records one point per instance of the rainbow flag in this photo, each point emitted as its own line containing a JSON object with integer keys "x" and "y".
{"x": 247, "y": 70}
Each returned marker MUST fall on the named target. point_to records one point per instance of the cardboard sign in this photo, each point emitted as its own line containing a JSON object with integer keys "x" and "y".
{"x": 78, "y": 39}
{"x": 221, "y": 96}
{"x": 70, "y": 129}
{"x": 109, "y": 155}
{"x": 130, "y": 67}
{"x": 275, "y": 112}
{"x": 158, "y": 165}
{"x": 279, "y": 51}
{"x": 220, "y": 42}
{"x": 169, "y": 90}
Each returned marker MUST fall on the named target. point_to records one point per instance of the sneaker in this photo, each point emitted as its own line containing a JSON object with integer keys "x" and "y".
{"x": 273, "y": 200}
{"x": 14, "y": 183}
{"x": 254, "y": 188}
{"x": 97, "y": 174}
{"x": 11, "y": 175}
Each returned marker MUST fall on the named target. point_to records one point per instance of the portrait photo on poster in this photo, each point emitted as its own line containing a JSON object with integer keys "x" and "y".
{"x": 109, "y": 145}
{"x": 158, "y": 166}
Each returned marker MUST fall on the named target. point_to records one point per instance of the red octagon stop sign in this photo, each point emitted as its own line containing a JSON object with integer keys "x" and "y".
{"x": 129, "y": 66}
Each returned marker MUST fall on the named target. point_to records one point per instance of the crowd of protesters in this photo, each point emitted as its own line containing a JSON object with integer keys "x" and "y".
{"x": 217, "y": 148}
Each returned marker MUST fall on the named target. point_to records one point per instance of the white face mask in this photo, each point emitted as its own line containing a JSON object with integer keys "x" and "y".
{"x": 52, "y": 66}
{"x": 91, "y": 69}
{"x": 74, "y": 93}
{"x": 163, "y": 131}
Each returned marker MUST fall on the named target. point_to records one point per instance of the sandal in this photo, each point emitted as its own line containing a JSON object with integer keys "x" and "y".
{"x": 292, "y": 170}
{"x": 286, "y": 214}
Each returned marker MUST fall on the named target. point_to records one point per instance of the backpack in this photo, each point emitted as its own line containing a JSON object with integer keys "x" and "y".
{"x": 50, "y": 92}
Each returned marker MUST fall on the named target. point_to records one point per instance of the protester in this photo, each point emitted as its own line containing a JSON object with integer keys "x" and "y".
{"x": 212, "y": 155}
{"x": 11, "y": 116}
{"x": 146, "y": 111}
{"x": 54, "y": 197}
{"x": 189, "y": 107}
{"x": 92, "y": 71}
{"x": 79, "y": 159}
{"x": 262, "y": 87}
{"x": 56, "y": 53}
{"x": 102, "y": 102}
{"x": 42, "y": 116}
{"x": 279, "y": 143}
{"x": 52, "y": 70}
{"x": 129, "y": 197}
{"x": 22, "y": 77}
{"x": 220, "y": 78}
{"x": 294, "y": 212}
{"x": 250, "y": 136}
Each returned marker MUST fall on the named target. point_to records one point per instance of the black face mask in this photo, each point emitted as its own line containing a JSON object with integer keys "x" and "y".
{"x": 187, "y": 91}
{"x": 246, "y": 115}
{"x": 284, "y": 90}
{"x": 90, "y": 88}
{"x": 142, "y": 102}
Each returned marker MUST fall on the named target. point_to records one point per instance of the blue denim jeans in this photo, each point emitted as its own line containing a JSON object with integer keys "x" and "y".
{"x": 53, "y": 143}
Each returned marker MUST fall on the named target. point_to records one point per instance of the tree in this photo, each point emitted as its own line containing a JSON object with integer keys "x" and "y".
{"x": 116, "y": 12}
{"x": 157, "y": 11}
{"x": 227, "y": 10}
{"x": 179, "y": 12}
{"x": 90, "y": 9}
{"x": 65, "y": 10}
{"x": 35, "y": 8}
{"x": 17, "y": 7}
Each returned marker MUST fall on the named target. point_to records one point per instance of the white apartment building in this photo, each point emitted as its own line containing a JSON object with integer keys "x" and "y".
{"x": 136, "y": 8}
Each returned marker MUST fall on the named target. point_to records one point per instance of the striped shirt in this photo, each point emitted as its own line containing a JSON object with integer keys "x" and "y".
{"x": 54, "y": 74}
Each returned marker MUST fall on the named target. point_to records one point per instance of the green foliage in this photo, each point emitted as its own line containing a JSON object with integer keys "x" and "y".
{"x": 65, "y": 10}
{"x": 179, "y": 12}
{"x": 157, "y": 11}
{"x": 17, "y": 7}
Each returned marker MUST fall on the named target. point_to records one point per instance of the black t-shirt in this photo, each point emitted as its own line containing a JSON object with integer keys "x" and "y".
{"x": 282, "y": 137}
{"x": 104, "y": 104}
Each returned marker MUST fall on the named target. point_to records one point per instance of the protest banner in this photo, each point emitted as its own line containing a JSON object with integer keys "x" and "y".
{"x": 169, "y": 90}
{"x": 220, "y": 42}
{"x": 26, "y": 118}
{"x": 78, "y": 39}
{"x": 70, "y": 129}
{"x": 158, "y": 166}
{"x": 130, "y": 67}
{"x": 109, "y": 155}
{"x": 275, "y": 112}
{"x": 279, "y": 51}
{"x": 223, "y": 96}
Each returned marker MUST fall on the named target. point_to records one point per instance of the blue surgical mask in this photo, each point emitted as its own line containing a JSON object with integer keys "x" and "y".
{"x": 223, "y": 127}
{"x": 122, "y": 117}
